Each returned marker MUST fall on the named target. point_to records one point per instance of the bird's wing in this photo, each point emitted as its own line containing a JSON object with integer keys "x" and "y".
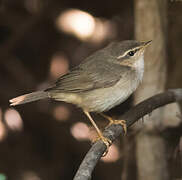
{"x": 85, "y": 78}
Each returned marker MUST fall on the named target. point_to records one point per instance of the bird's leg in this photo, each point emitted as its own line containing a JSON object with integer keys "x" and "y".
{"x": 105, "y": 140}
{"x": 112, "y": 121}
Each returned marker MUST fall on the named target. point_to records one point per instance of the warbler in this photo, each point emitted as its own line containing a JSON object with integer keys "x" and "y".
{"x": 103, "y": 80}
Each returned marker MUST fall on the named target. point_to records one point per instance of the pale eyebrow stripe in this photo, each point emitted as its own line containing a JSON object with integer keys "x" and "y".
{"x": 137, "y": 48}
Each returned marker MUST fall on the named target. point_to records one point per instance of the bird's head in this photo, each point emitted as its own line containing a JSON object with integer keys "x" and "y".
{"x": 127, "y": 52}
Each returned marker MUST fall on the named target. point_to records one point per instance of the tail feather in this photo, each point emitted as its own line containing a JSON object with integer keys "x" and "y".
{"x": 26, "y": 98}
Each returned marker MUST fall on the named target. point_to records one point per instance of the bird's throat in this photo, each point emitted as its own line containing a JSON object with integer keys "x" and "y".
{"x": 139, "y": 67}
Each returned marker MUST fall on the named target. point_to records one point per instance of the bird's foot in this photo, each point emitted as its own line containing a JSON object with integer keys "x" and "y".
{"x": 112, "y": 121}
{"x": 106, "y": 141}
{"x": 121, "y": 122}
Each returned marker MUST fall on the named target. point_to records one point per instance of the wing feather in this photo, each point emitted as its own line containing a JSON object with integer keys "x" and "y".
{"x": 90, "y": 75}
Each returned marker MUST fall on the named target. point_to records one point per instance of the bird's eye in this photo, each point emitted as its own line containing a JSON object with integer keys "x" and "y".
{"x": 131, "y": 53}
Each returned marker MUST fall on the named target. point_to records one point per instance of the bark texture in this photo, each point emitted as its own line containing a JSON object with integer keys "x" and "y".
{"x": 151, "y": 24}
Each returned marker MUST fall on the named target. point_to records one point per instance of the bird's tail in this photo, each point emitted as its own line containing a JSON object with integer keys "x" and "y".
{"x": 26, "y": 98}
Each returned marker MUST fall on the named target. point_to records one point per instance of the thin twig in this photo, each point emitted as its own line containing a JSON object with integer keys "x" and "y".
{"x": 112, "y": 132}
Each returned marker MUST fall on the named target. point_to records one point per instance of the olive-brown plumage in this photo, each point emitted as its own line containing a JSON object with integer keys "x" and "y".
{"x": 103, "y": 80}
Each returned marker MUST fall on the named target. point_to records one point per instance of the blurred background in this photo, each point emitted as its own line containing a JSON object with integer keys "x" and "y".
{"x": 39, "y": 41}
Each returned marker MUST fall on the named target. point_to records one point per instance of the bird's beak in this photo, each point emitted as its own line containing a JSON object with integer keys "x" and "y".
{"x": 145, "y": 44}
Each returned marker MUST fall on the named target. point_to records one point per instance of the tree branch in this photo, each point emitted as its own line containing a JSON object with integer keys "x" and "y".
{"x": 112, "y": 132}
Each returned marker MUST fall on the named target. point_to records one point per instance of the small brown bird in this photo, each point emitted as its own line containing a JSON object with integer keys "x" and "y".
{"x": 103, "y": 80}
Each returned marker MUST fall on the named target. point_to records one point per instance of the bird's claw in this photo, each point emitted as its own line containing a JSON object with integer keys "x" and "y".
{"x": 106, "y": 141}
{"x": 121, "y": 122}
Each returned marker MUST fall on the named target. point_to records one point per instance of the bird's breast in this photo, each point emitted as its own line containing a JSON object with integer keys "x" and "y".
{"x": 103, "y": 99}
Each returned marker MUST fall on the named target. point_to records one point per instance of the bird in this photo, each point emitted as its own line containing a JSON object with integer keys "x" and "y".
{"x": 103, "y": 80}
